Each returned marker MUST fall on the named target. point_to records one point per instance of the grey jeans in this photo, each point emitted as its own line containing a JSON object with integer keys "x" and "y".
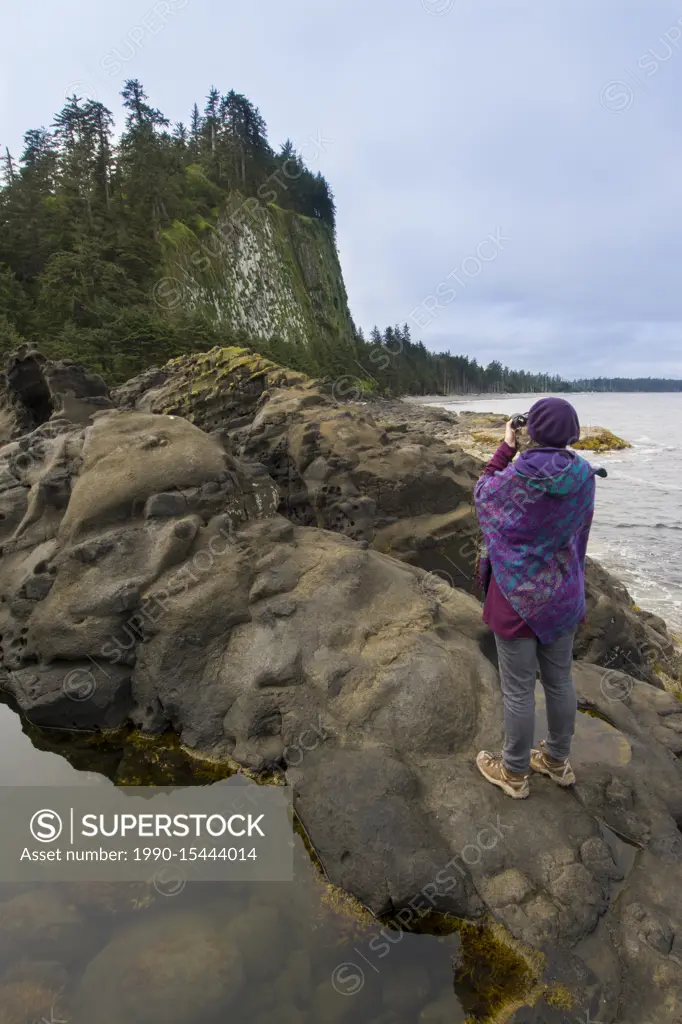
{"x": 518, "y": 661}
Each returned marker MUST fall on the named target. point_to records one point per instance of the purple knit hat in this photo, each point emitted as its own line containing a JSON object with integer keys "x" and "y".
{"x": 553, "y": 422}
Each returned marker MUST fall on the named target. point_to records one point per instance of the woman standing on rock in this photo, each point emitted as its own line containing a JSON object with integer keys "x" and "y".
{"x": 535, "y": 514}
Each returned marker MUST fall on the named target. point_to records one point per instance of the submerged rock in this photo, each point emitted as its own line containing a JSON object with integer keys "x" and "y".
{"x": 43, "y": 925}
{"x": 162, "y": 968}
{"x": 27, "y": 999}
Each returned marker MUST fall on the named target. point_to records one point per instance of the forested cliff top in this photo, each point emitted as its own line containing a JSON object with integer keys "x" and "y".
{"x": 123, "y": 252}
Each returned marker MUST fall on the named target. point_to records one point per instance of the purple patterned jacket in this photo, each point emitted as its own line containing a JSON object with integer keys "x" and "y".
{"x": 535, "y": 515}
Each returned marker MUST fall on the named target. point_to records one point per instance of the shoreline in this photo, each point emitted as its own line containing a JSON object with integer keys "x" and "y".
{"x": 459, "y": 399}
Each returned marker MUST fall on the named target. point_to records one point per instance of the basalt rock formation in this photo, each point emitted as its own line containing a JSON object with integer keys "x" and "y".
{"x": 160, "y": 576}
{"x": 337, "y": 466}
{"x": 387, "y": 473}
{"x": 260, "y": 268}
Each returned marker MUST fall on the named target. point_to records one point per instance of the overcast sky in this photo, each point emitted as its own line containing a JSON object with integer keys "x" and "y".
{"x": 508, "y": 173}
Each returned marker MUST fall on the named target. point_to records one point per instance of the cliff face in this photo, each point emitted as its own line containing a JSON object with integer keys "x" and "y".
{"x": 269, "y": 271}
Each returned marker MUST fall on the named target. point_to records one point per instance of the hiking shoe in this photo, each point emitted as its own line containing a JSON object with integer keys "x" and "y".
{"x": 491, "y": 767}
{"x": 559, "y": 771}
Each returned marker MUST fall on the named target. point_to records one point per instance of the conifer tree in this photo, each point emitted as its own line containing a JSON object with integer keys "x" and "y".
{"x": 26, "y": 224}
{"x": 9, "y": 172}
{"x": 101, "y": 126}
{"x": 140, "y": 114}
{"x": 145, "y": 162}
{"x": 195, "y": 129}
{"x": 209, "y": 134}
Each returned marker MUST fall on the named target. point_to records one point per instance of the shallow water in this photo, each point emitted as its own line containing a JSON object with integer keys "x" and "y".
{"x": 297, "y": 953}
{"x": 637, "y": 529}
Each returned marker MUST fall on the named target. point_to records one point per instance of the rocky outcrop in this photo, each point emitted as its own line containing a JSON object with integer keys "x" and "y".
{"x": 131, "y": 490}
{"x": 338, "y": 666}
{"x": 34, "y": 390}
{"x": 215, "y": 390}
{"x": 599, "y": 439}
{"x": 392, "y": 474}
{"x": 619, "y": 635}
{"x": 149, "y": 578}
{"x": 354, "y": 469}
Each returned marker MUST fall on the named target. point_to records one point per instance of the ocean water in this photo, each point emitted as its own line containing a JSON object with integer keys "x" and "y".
{"x": 637, "y": 531}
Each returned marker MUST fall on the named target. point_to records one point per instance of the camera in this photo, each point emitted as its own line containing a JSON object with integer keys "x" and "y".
{"x": 520, "y": 419}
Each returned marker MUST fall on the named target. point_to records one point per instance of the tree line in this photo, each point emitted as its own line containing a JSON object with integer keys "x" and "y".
{"x": 627, "y": 384}
{"x": 390, "y": 360}
{"x": 82, "y": 218}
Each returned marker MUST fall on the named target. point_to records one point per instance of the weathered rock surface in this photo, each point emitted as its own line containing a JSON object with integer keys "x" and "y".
{"x": 389, "y": 473}
{"x": 130, "y": 491}
{"x": 216, "y": 389}
{"x": 34, "y": 389}
{"x": 147, "y": 578}
{"x": 621, "y": 636}
{"x": 358, "y": 470}
{"x": 600, "y": 439}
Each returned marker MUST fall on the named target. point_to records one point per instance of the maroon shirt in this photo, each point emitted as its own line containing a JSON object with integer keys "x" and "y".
{"x": 498, "y": 614}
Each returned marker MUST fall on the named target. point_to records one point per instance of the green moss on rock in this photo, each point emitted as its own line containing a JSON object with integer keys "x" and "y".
{"x": 484, "y": 437}
{"x": 222, "y": 385}
{"x": 494, "y": 975}
{"x": 599, "y": 439}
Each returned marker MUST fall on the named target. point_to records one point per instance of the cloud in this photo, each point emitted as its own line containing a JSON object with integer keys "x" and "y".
{"x": 554, "y": 122}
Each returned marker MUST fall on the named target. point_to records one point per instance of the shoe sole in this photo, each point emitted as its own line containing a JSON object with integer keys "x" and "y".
{"x": 515, "y": 794}
{"x": 564, "y": 783}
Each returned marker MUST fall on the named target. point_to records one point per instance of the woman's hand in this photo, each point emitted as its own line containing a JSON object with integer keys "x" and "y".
{"x": 510, "y": 435}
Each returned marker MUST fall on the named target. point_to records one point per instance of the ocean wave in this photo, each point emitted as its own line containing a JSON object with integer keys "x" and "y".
{"x": 649, "y": 484}
{"x": 646, "y": 526}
